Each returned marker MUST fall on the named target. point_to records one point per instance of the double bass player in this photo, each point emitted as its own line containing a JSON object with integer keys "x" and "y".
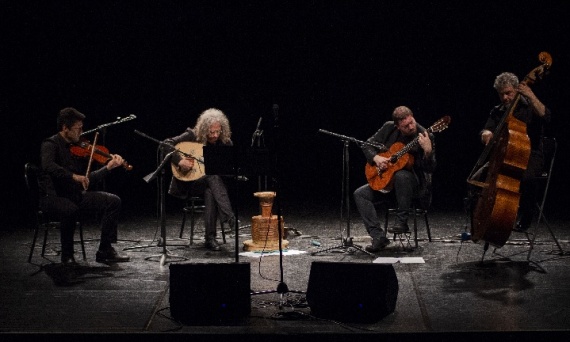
{"x": 532, "y": 112}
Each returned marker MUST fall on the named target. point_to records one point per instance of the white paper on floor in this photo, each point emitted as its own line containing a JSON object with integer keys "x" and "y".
{"x": 258, "y": 254}
{"x": 405, "y": 260}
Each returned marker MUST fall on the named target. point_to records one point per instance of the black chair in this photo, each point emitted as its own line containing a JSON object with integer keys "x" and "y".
{"x": 420, "y": 205}
{"x": 42, "y": 220}
{"x": 194, "y": 206}
{"x": 549, "y": 146}
{"x": 415, "y": 211}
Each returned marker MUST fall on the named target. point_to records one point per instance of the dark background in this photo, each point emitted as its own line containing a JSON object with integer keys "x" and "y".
{"x": 341, "y": 66}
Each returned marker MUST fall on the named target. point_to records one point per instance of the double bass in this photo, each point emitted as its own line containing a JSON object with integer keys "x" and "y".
{"x": 501, "y": 167}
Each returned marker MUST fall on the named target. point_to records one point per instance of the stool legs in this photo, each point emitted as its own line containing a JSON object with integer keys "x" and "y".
{"x": 192, "y": 208}
{"x": 415, "y": 212}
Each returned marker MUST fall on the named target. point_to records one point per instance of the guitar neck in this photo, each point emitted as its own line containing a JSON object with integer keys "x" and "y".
{"x": 409, "y": 146}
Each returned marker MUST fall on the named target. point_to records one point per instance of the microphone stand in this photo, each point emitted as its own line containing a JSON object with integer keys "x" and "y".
{"x": 346, "y": 243}
{"x": 282, "y": 287}
{"x": 258, "y": 136}
{"x": 159, "y": 172}
{"x": 103, "y": 129}
{"x": 118, "y": 121}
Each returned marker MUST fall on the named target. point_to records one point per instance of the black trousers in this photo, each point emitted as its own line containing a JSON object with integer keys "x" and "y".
{"x": 68, "y": 212}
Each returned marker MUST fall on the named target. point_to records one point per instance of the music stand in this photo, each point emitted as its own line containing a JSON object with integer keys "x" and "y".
{"x": 223, "y": 160}
{"x": 234, "y": 161}
{"x": 228, "y": 160}
{"x": 346, "y": 243}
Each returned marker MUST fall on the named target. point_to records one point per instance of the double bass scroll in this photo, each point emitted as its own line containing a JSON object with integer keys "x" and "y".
{"x": 499, "y": 170}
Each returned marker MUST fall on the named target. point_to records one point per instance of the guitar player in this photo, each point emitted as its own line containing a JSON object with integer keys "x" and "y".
{"x": 406, "y": 183}
{"x": 212, "y": 128}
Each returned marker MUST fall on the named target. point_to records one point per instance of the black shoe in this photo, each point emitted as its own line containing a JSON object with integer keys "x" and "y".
{"x": 232, "y": 222}
{"x": 110, "y": 255}
{"x": 213, "y": 245}
{"x": 377, "y": 245}
{"x": 399, "y": 228}
{"x": 520, "y": 228}
{"x": 68, "y": 260}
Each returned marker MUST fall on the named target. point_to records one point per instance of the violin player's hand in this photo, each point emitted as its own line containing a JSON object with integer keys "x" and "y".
{"x": 84, "y": 181}
{"x": 115, "y": 161}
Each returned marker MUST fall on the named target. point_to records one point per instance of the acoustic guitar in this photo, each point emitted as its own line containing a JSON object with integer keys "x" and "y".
{"x": 192, "y": 150}
{"x": 381, "y": 180}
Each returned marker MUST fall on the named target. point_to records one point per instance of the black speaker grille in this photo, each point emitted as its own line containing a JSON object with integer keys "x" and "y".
{"x": 209, "y": 293}
{"x": 352, "y": 292}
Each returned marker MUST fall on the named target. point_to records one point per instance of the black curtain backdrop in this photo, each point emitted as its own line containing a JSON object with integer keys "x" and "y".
{"x": 341, "y": 66}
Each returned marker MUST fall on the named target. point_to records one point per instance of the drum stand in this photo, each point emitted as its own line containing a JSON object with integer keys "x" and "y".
{"x": 346, "y": 243}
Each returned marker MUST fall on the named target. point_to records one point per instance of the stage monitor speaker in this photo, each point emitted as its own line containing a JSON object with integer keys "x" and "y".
{"x": 210, "y": 293}
{"x": 352, "y": 292}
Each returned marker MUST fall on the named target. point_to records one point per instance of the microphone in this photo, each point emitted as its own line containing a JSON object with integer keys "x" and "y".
{"x": 141, "y": 133}
{"x": 257, "y": 132}
{"x": 258, "y": 123}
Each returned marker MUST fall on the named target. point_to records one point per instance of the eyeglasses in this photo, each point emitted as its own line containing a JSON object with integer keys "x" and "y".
{"x": 217, "y": 132}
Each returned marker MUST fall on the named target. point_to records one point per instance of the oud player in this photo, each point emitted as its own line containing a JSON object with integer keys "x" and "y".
{"x": 212, "y": 128}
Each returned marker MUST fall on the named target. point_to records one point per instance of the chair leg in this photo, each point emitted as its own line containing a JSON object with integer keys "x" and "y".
{"x": 223, "y": 232}
{"x": 183, "y": 222}
{"x": 427, "y": 225}
{"x": 386, "y": 217}
{"x": 33, "y": 243}
{"x": 415, "y": 227}
{"x": 80, "y": 226}
{"x": 192, "y": 224}
{"x": 46, "y": 232}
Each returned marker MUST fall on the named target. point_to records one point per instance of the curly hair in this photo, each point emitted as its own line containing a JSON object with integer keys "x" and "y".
{"x": 505, "y": 79}
{"x": 206, "y": 119}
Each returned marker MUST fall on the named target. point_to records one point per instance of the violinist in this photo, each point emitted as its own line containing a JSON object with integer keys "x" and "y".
{"x": 535, "y": 115}
{"x": 66, "y": 188}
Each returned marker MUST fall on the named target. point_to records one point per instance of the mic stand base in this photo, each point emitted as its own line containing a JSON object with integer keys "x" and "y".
{"x": 159, "y": 243}
{"x": 346, "y": 245}
{"x": 282, "y": 289}
{"x": 164, "y": 256}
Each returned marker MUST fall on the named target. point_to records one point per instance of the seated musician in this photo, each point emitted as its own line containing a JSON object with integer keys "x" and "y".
{"x": 212, "y": 128}
{"x": 406, "y": 184}
{"x": 66, "y": 189}
{"x": 535, "y": 114}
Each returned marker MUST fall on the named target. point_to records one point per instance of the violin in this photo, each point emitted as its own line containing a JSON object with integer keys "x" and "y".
{"x": 99, "y": 153}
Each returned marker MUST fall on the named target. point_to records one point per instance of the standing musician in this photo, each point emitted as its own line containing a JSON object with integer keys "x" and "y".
{"x": 535, "y": 114}
{"x": 65, "y": 188}
{"x": 212, "y": 128}
{"x": 407, "y": 183}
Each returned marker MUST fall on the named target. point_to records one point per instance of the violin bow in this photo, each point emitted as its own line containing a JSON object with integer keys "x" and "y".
{"x": 91, "y": 155}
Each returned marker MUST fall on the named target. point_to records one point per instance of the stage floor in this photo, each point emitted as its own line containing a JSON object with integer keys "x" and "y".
{"x": 446, "y": 287}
